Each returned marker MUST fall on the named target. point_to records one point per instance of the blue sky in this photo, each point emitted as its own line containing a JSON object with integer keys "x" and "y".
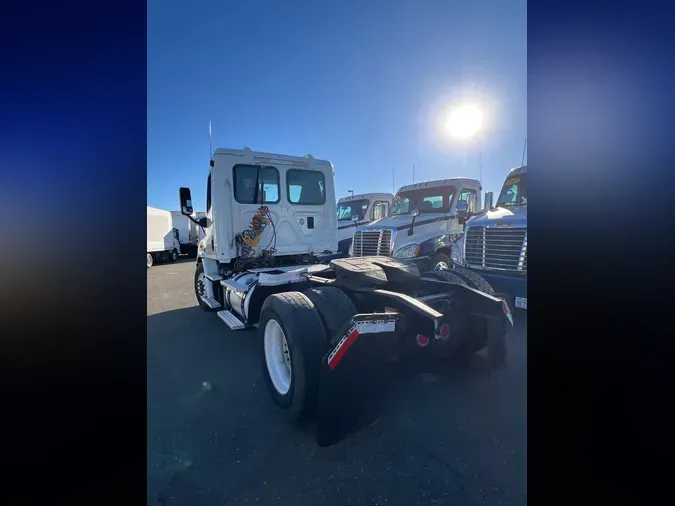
{"x": 363, "y": 84}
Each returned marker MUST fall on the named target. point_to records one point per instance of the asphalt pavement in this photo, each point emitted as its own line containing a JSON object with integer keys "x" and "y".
{"x": 215, "y": 438}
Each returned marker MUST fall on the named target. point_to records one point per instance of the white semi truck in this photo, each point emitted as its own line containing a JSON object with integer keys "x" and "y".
{"x": 162, "y": 236}
{"x": 424, "y": 222}
{"x": 269, "y": 260}
{"x": 358, "y": 210}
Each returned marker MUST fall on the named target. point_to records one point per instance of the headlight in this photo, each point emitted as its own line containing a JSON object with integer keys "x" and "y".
{"x": 409, "y": 251}
{"x": 456, "y": 254}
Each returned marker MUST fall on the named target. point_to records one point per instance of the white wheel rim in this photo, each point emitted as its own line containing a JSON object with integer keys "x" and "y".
{"x": 441, "y": 266}
{"x": 149, "y": 260}
{"x": 277, "y": 357}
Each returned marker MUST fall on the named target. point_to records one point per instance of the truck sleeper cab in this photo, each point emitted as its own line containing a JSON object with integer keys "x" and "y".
{"x": 425, "y": 221}
{"x": 358, "y": 210}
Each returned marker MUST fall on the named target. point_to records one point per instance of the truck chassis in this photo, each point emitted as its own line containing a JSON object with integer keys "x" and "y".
{"x": 326, "y": 328}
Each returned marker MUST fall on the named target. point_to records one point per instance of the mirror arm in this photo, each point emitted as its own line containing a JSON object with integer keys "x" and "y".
{"x": 411, "y": 230}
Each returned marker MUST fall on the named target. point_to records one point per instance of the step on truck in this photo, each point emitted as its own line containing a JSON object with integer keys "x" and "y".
{"x": 269, "y": 260}
{"x": 162, "y": 236}
{"x": 424, "y": 223}
{"x": 358, "y": 210}
{"x": 495, "y": 242}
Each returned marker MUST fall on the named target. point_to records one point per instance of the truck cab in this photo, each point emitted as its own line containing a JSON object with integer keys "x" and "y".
{"x": 265, "y": 209}
{"x": 359, "y": 210}
{"x": 495, "y": 243}
{"x": 424, "y": 221}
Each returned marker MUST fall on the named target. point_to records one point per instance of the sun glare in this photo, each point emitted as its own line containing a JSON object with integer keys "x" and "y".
{"x": 465, "y": 121}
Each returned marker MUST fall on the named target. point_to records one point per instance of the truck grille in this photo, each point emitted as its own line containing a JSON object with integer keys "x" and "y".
{"x": 503, "y": 249}
{"x": 372, "y": 243}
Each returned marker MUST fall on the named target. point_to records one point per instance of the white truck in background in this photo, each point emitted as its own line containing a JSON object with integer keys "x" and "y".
{"x": 162, "y": 236}
{"x": 357, "y": 210}
{"x": 424, "y": 223}
{"x": 188, "y": 233}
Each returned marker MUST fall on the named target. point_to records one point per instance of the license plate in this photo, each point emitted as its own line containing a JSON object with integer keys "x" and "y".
{"x": 521, "y": 302}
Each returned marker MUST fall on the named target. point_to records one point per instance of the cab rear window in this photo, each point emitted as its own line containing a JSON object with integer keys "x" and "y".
{"x": 256, "y": 184}
{"x": 306, "y": 187}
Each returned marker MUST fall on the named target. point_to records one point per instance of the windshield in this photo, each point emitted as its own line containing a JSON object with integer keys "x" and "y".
{"x": 352, "y": 208}
{"x": 428, "y": 200}
{"x": 514, "y": 192}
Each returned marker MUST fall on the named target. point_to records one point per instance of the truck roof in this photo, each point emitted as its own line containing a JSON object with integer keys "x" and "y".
{"x": 367, "y": 196}
{"x": 307, "y": 161}
{"x": 455, "y": 181}
{"x": 518, "y": 170}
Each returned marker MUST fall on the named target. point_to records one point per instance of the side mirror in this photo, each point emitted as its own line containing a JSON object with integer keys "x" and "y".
{"x": 203, "y": 222}
{"x": 414, "y": 213}
{"x": 186, "y": 202}
{"x": 355, "y": 218}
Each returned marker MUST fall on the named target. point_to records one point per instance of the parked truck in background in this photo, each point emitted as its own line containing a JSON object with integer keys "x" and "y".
{"x": 188, "y": 232}
{"x": 424, "y": 222}
{"x": 358, "y": 210}
{"x": 495, "y": 243}
{"x": 162, "y": 236}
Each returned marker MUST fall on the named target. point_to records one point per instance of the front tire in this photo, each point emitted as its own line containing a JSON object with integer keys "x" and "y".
{"x": 150, "y": 260}
{"x": 200, "y": 287}
{"x": 440, "y": 262}
{"x": 173, "y": 256}
{"x": 290, "y": 322}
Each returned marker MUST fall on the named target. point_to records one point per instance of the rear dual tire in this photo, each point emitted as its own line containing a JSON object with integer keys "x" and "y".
{"x": 299, "y": 328}
{"x": 290, "y": 320}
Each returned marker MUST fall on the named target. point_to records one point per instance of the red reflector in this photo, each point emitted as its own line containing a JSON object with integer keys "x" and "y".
{"x": 422, "y": 340}
{"x": 445, "y": 330}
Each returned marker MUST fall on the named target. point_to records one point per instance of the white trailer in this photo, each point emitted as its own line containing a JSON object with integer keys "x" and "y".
{"x": 162, "y": 236}
{"x": 357, "y": 210}
{"x": 188, "y": 235}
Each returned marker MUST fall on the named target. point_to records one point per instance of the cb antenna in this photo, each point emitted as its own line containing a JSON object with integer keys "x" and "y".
{"x": 210, "y": 149}
{"x": 522, "y": 161}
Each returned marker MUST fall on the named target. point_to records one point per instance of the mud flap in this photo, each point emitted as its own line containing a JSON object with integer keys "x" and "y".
{"x": 350, "y": 375}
